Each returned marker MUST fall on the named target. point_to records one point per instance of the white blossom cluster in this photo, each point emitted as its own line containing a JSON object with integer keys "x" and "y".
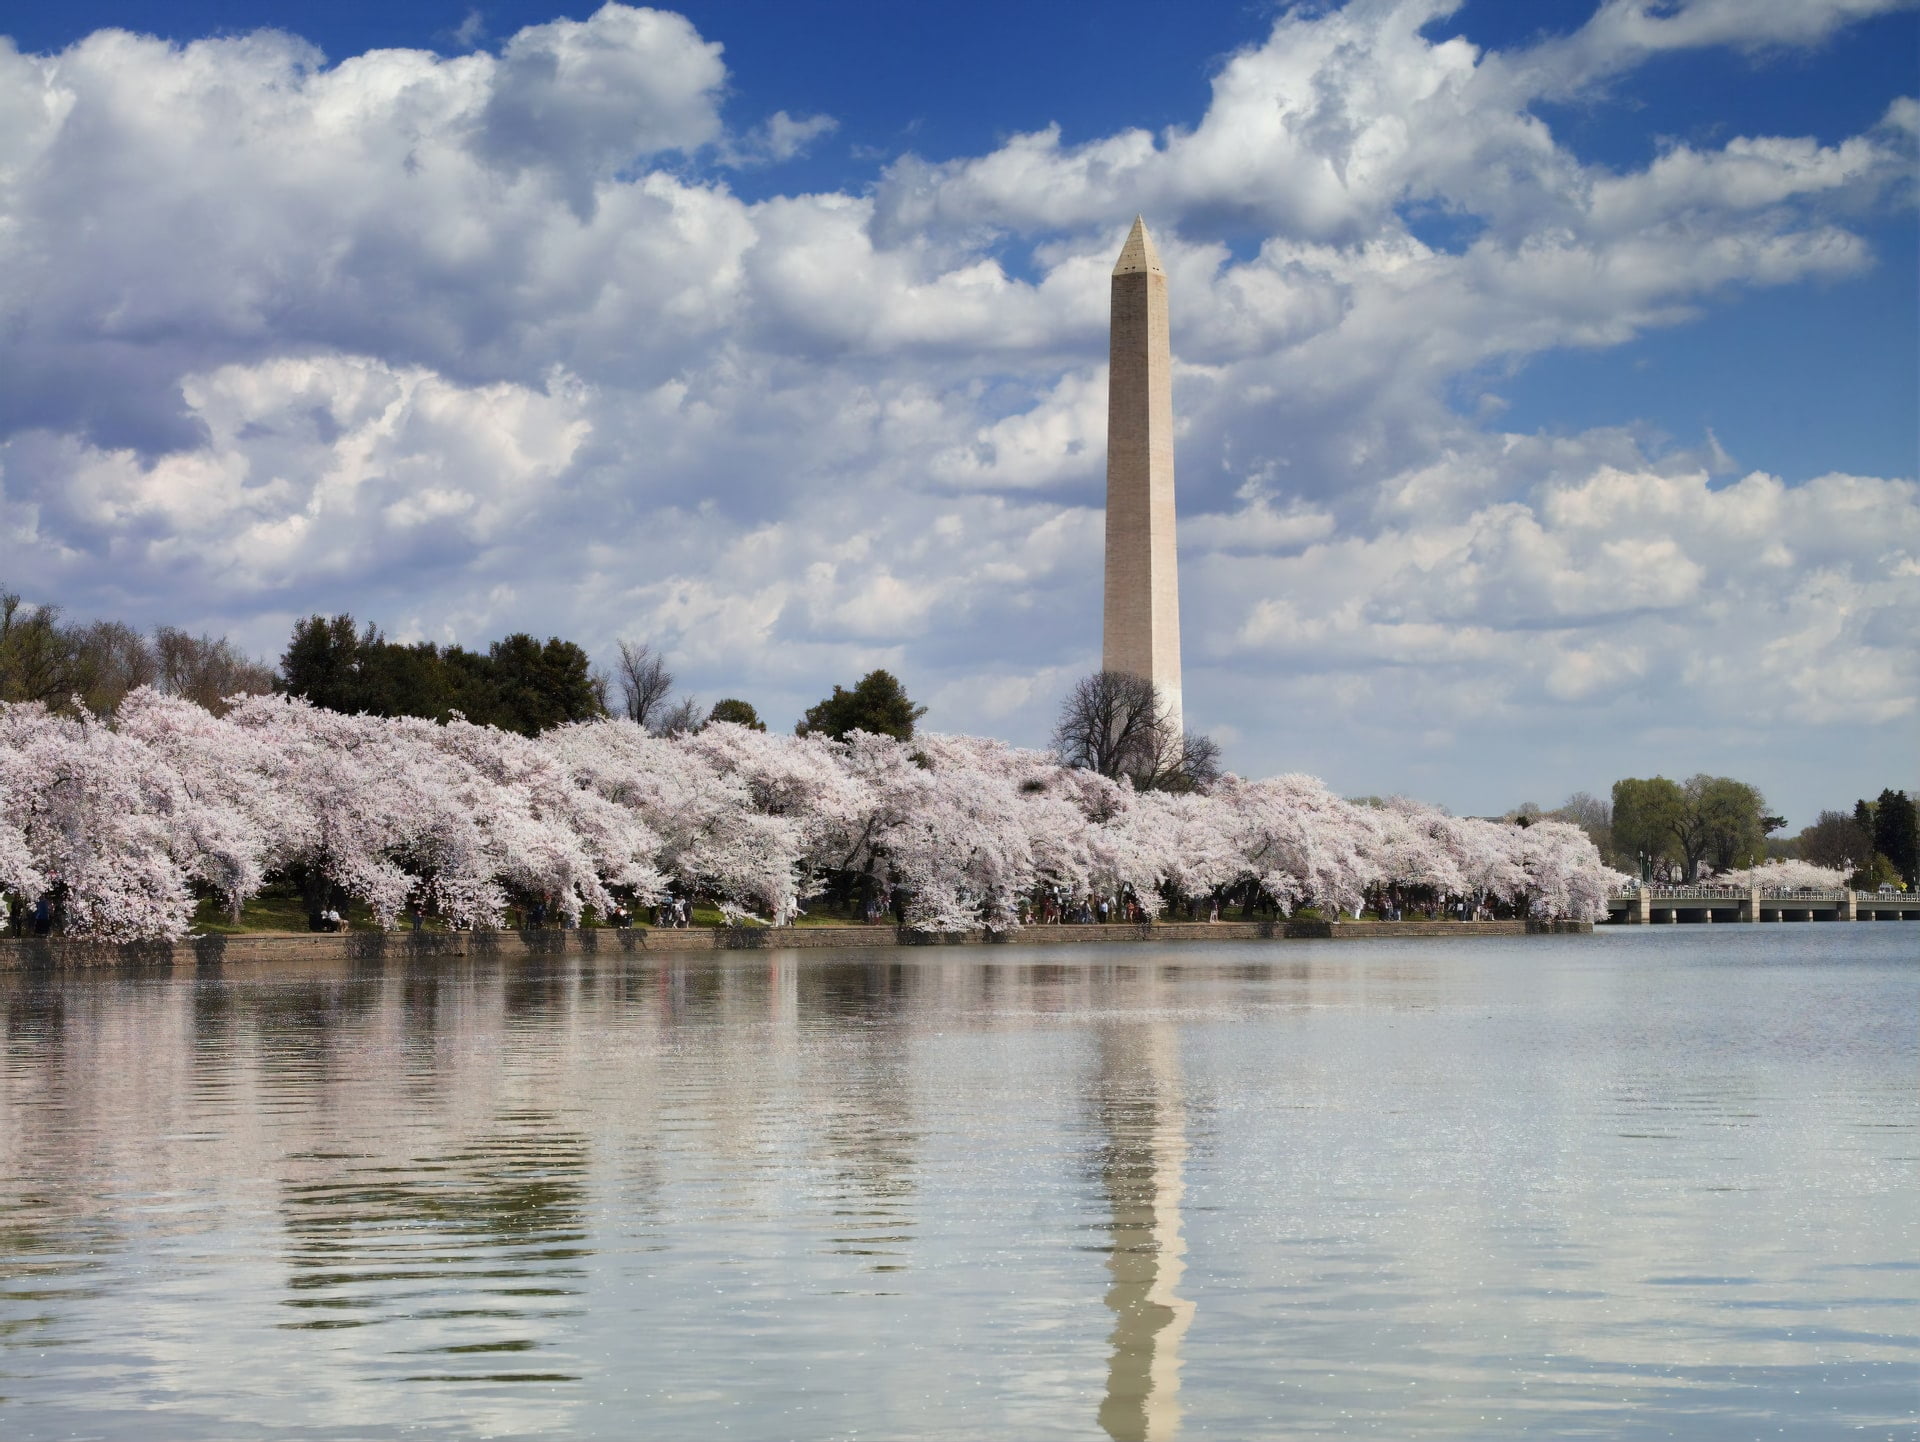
{"x": 1786, "y": 875}
{"x": 137, "y": 817}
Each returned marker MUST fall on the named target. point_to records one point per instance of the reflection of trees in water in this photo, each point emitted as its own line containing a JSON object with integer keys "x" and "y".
{"x": 868, "y": 1138}
{"x": 863, "y": 993}
{"x": 55, "y": 1236}
{"x": 536, "y": 994}
{"x": 296, "y": 1026}
{"x": 471, "y": 1248}
{"x": 49, "y": 1259}
{"x": 1141, "y": 1114}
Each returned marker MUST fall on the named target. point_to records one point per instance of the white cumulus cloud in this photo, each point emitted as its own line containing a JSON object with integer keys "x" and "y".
{"x": 487, "y": 341}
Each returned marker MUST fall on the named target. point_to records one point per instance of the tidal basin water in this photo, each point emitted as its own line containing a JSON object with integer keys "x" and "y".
{"x": 1658, "y": 1182}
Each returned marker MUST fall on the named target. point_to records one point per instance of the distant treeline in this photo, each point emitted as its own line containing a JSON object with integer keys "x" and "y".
{"x": 1879, "y": 838}
{"x": 517, "y": 684}
{"x": 529, "y": 686}
{"x": 1677, "y": 829}
{"x": 44, "y": 659}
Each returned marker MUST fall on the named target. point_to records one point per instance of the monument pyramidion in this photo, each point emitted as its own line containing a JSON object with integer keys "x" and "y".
{"x": 1142, "y": 615}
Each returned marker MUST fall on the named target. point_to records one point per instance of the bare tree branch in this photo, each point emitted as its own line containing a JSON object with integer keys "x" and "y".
{"x": 683, "y": 716}
{"x": 206, "y": 670}
{"x": 645, "y": 683}
{"x": 1119, "y": 725}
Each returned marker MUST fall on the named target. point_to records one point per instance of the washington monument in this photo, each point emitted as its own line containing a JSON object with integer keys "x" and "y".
{"x": 1142, "y": 617}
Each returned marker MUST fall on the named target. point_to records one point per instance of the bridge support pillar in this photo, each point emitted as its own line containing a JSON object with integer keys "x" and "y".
{"x": 1641, "y": 912}
{"x": 1750, "y": 905}
{"x": 1849, "y": 908}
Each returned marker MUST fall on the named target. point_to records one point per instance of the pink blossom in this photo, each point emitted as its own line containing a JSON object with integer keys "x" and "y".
{"x": 128, "y": 819}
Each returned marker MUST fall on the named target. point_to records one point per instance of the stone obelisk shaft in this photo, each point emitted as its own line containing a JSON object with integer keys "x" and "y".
{"x": 1142, "y": 621}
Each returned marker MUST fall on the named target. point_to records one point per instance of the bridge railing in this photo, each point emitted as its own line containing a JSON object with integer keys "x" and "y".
{"x": 1733, "y": 893}
{"x": 1696, "y": 893}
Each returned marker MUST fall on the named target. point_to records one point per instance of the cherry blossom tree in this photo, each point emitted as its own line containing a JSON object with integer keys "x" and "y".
{"x": 1786, "y": 875}
{"x": 1565, "y": 876}
{"x": 229, "y": 827}
{"x": 354, "y": 795}
{"x": 127, "y": 821}
{"x": 95, "y": 822}
{"x": 1300, "y": 842}
{"x": 712, "y": 840}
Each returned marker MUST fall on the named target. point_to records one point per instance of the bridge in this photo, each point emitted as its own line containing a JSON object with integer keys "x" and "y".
{"x": 1657, "y": 905}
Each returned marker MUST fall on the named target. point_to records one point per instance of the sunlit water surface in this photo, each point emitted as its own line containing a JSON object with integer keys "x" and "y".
{"x": 1652, "y": 1183}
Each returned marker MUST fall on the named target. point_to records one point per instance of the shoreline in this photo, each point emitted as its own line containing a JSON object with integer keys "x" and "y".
{"x": 60, "y": 953}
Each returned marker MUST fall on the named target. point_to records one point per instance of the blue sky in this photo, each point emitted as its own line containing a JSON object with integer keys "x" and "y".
{"x": 1548, "y": 371}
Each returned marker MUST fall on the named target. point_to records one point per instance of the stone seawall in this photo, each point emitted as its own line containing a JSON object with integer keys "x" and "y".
{"x": 648, "y": 941}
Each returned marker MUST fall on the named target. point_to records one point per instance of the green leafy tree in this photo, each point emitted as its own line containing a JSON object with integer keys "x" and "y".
{"x": 1876, "y": 871}
{"x": 1711, "y": 819}
{"x": 1725, "y": 823}
{"x": 1647, "y": 815}
{"x": 1874, "y": 868}
{"x": 741, "y": 713}
{"x": 879, "y": 704}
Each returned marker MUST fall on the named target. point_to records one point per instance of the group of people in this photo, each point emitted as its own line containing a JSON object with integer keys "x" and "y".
{"x": 672, "y": 911}
{"x": 1392, "y": 906}
{"x": 1054, "y": 909}
{"x": 35, "y": 920}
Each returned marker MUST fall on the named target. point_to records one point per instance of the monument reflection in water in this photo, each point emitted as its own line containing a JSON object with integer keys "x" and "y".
{"x": 1646, "y": 1185}
{"x": 1142, "y": 1169}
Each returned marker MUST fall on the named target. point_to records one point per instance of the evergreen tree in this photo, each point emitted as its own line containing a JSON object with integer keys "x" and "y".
{"x": 542, "y": 686}
{"x": 879, "y": 704}
{"x": 322, "y": 663}
{"x": 1896, "y": 834}
{"x": 741, "y": 713}
{"x": 519, "y": 685}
